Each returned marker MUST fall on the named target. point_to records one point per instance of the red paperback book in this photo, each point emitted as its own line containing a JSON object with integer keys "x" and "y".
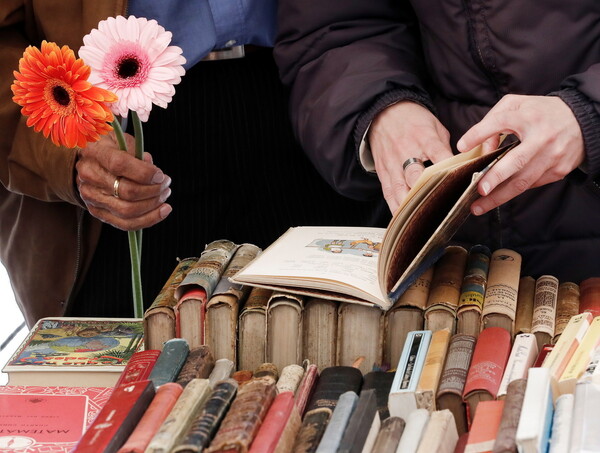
{"x": 280, "y": 426}
{"x": 487, "y": 367}
{"x": 36, "y": 419}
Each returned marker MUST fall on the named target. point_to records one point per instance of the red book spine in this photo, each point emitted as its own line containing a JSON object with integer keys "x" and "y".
{"x": 192, "y": 293}
{"x": 117, "y": 419}
{"x": 306, "y": 387}
{"x": 270, "y": 431}
{"x": 589, "y": 296}
{"x": 139, "y": 367}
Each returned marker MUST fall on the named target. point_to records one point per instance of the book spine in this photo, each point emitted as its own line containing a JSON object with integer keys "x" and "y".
{"x": 178, "y": 421}
{"x": 509, "y": 421}
{"x": 561, "y": 424}
{"x": 117, "y": 419}
{"x": 535, "y": 420}
{"x": 338, "y": 423}
{"x": 221, "y": 325}
{"x": 432, "y": 370}
{"x": 170, "y": 361}
{"x": 252, "y": 334}
{"x": 525, "y": 300}
{"x": 284, "y": 346}
{"x": 312, "y": 429}
{"x": 242, "y": 421}
{"x": 281, "y": 412}
{"x": 190, "y": 316}
{"x": 359, "y": 425}
{"x": 389, "y": 435}
{"x": 503, "y": 286}
{"x": 156, "y": 413}
{"x": 589, "y": 295}
{"x": 522, "y": 356}
{"x": 417, "y": 293}
{"x": 544, "y": 309}
{"x": 413, "y": 430}
{"x": 138, "y": 367}
{"x": 567, "y": 306}
{"x": 381, "y": 381}
{"x": 243, "y": 255}
{"x": 584, "y": 425}
{"x": 332, "y": 383}
{"x": 440, "y": 434}
{"x": 319, "y": 337}
{"x": 222, "y": 370}
{"x": 268, "y": 372}
{"x": 484, "y": 430}
{"x": 206, "y": 423}
{"x": 473, "y": 286}
{"x": 306, "y": 388}
{"x": 290, "y": 378}
{"x": 198, "y": 365}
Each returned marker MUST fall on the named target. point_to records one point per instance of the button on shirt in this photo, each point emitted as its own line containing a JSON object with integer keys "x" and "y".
{"x": 200, "y": 26}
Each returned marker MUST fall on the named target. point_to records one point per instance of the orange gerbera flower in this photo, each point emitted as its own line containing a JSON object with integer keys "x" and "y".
{"x": 52, "y": 87}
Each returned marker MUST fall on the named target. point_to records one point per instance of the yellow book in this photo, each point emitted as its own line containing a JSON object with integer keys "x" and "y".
{"x": 565, "y": 347}
{"x": 581, "y": 358}
{"x": 432, "y": 370}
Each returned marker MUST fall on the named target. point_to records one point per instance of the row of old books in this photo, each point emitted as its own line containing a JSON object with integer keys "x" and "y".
{"x": 464, "y": 292}
{"x": 444, "y": 387}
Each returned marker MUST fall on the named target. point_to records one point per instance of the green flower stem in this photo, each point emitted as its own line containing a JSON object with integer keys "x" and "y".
{"x": 135, "y": 237}
{"x": 139, "y": 153}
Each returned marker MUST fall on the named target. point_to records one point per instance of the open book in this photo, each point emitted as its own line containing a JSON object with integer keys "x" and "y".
{"x": 376, "y": 265}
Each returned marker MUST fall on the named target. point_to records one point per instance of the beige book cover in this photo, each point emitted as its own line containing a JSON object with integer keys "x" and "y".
{"x": 544, "y": 309}
{"x": 284, "y": 329}
{"x": 290, "y": 378}
{"x": 440, "y": 435}
{"x": 500, "y": 302}
{"x": 319, "y": 336}
{"x": 525, "y": 300}
{"x": 432, "y": 370}
{"x": 567, "y": 305}
{"x": 252, "y": 325}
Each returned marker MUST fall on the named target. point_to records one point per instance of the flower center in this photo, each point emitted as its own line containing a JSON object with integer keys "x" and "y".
{"x": 128, "y": 67}
{"x": 61, "y": 95}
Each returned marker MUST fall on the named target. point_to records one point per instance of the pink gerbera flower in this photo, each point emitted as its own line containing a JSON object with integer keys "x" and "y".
{"x": 132, "y": 58}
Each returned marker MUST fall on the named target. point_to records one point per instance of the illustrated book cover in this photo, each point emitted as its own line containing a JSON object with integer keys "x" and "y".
{"x": 375, "y": 265}
{"x": 89, "y": 352}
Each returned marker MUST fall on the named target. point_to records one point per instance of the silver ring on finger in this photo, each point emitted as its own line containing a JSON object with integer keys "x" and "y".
{"x": 411, "y": 161}
{"x": 116, "y": 187}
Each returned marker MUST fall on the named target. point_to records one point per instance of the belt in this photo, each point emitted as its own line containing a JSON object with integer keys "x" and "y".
{"x": 227, "y": 53}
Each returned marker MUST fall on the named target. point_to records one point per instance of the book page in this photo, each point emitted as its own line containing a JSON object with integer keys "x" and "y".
{"x": 342, "y": 259}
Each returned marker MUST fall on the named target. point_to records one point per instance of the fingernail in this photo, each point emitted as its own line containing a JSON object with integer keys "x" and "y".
{"x": 158, "y": 177}
{"x": 167, "y": 181}
{"x": 485, "y": 188}
{"x": 166, "y": 194}
{"x": 476, "y": 210}
{"x": 460, "y": 145}
{"x": 165, "y": 210}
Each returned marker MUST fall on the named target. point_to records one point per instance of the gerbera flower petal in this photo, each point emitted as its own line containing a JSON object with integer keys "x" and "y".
{"x": 52, "y": 89}
{"x": 134, "y": 61}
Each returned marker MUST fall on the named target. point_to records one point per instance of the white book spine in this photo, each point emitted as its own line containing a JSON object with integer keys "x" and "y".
{"x": 522, "y": 357}
{"x": 413, "y": 431}
{"x": 561, "y": 424}
{"x": 585, "y": 427}
{"x": 536, "y": 414}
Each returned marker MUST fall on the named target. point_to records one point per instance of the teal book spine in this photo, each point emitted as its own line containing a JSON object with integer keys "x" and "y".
{"x": 170, "y": 361}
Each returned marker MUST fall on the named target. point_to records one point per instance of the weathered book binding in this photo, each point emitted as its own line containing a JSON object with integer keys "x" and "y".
{"x": 525, "y": 300}
{"x": 389, "y": 435}
{"x": 319, "y": 337}
{"x": 432, "y": 370}
{"x": 440, "y": 434}
{"x": 363, "y": 421}
{"x": 170, "y": 361}
{"x": 509, "y": 420}
{"x": 279, "y": 428}
{"x": 159, "y": 318}
{"x": 253, "y": 329}
{"x": 544, "y": 309}
{"x": 284, "y": 329}
{"x": 472, "y": 291}
{"x": 139, "y": 367}
{"x": 198, "y": 365}
{"x": 290, "y": 378}
{"x": 339, "y": 421}
{"x": 567, "y": 306}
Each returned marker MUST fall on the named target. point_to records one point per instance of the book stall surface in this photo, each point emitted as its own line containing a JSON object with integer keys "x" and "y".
{"x": 36, "y": 419}
{"x": 375, "y": 265}
{"x": 88, "y": 352}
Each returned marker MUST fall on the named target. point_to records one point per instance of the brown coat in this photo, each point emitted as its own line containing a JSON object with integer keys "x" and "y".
{"x": 46, "y": 237}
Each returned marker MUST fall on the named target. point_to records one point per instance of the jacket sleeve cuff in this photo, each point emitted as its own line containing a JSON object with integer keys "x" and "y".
{"x": 589, "y": 122}
{"x": 364, "y": 121}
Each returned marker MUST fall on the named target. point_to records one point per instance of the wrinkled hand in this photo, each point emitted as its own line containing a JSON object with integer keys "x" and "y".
{"x": 399, "y": 132}
{"x": 142, "y": 190}
{"x": 551, "y": 146}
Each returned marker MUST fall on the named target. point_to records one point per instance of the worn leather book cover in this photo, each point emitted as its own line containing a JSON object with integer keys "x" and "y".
{"x": 252, "y": 331}
{"x": 381, "y": 382}
{"x": 177, "y": 423}
{"x": 500, "y": 302}
{"x": 311, "y": 431}
{"x": 279, "y": 428}
{"x": 360, "y": 334}
{"x": 509, "y": 420}
{"x": 190, "y": 316}
{"x": 567, "y": 306}
{"x": 222, "y": 370}
{"x": 159, "y": 318}
{"x": 452, "y": 381}
{"x": 427, "y": 386}
{"x": 290, "y": 378}
{"x": 205, "y": 424}
{"x": 444, "y": 292}
{"x": 165, "y": 398}
{"x": 284, "y": 329}
{"x": 170, "y": 361}
{"x": 389, "y": 435}
{"x": 268, "y": 372}
{"x": 589, "y": 296}
{"x": 139, "y": 367}
{"x": 440, "y": 434}
{"x": 337, "y": 424}
{"x": 472, "y": 291}
{"x": 67, "y": 351}
{"x": 525, "y": 300}
{"x": 306, "y": 387}
{"x": 522, "y": 357}
{"x": 222, "y": 309}
{"x": 484, "y": 429}
{"x": 544, "y": 309}
{"x": 117, "y": 419}
{"x": 406, "y": 315}
{"x": 319, "y": 336}
{"x": 38, "y": 419}
{"x": 487, "y": 367}
{"x": 363, "y": 421}
{"x": 198, "y": 364}
{"x": 246, "y": 414}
